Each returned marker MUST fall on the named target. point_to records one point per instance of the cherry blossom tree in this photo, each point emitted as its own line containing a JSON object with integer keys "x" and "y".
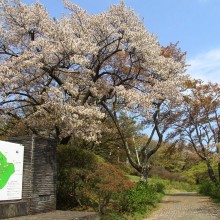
{"x": 155, "y": 112}
{"x": 63, "y": 76}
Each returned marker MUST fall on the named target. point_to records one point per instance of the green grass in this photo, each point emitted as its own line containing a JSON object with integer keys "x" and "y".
{"x": 172, "y": 186}
{"x": 134, "y": 179}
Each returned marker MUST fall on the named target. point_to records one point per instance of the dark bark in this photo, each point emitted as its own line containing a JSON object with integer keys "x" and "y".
{"x": 65, "y": 140}
{"x": 146, "y": 153}
{"x": 125, "y": 144}
{"x": 219, "y": 172}
{"x": 211, "y": 172}
{"x": 218, "y": 152}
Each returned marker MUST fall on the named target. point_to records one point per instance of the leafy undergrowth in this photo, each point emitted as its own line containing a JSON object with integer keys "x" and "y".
{"x": 136, "y": 202}
{"x": 140, "y": 201}
{"x": 87, "y": 182}
{"x": 210, "y": 189}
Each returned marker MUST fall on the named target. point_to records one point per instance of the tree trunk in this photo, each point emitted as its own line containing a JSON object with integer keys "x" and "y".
{"x": 65, "y": 140}
{"x": 217, "y": 151}
{"x": 145, "y": 173}
{"x": 211, "y": 172}
{"x": 219, "y": 172}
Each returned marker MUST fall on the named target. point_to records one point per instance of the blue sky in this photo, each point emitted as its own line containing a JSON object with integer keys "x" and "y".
{"x": 194, "y": 23}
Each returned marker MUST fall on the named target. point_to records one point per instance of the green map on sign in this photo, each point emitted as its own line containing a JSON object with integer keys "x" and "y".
{"x": 6, "y": 170}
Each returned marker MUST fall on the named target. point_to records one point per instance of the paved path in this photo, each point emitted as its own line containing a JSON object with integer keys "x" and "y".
{"x": 186, "y": 206}
{"x": 60, "y": 215}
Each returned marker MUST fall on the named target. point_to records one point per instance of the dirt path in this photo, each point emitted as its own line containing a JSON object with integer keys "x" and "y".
{"x": 186, "y": 206}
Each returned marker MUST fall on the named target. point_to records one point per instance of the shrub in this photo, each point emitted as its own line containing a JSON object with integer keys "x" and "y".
{"x": 139, "y": 199}
{"x": 85, "y": 180}
{"x": 215, "y": 191}
{"x": 159, "y": 187}
{"x": 74, "y": 166}
{"x": 106, "y": 181}
{"x": 210, "y": 189}
{"x": 205, "y": 188}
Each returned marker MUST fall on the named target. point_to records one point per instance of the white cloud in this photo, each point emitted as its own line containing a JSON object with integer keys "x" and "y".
{"x": 206, "y": 66}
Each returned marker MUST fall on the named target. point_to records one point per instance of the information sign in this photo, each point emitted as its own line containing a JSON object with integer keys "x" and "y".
{"x": 11, "y": 170}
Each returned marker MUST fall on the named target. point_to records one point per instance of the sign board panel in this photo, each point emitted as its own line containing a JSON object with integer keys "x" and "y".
{"x": 11, "y": 170}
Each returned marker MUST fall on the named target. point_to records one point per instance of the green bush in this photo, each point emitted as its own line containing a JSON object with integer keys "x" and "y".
{"x": 159, "y": 187}
{"x": 215, "y": 191}
{"x": 74, "y": 166}
{"x": 210, "y": 189}
{"x": 106, "y": 181}
{"x": 139, "y": 199}
{"x": 205, "y": 188}
{"x": 85, "y": 180}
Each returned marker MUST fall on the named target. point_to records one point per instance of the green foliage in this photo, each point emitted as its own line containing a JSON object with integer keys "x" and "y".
{"x": 139, "y": 199}
{"x": 171, "y": 158}
{"x": 159, "y": 187}
{"x": 210, "y": 189}
{"x": 171, "y": 161}
{"x": 86, "y": 180}
{"x": 70, "y": 156}
{"x": 170, "y": 185}
{"x": 74, "y": 166}
{"x": 198, "y": 173}
{"x": 104, "y": 182}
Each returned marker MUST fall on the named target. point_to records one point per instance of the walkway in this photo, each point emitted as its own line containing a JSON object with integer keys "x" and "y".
{"x": 186, "y": 206}
{"x": 60, "y": 215}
